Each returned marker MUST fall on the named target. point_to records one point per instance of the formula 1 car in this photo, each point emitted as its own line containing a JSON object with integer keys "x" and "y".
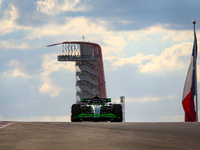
{"x": 96, "y": 109}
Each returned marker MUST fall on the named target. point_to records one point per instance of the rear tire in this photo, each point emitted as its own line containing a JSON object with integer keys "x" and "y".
{"x": 117, "y": 110}
{"x": 76, "y": 110}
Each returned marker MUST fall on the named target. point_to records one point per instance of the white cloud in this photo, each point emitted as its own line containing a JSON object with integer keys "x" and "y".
{"x": 19, "y": 73}
{"x": 144, "y": 33}
{"x": 146, "y": 99}
{"x": 54, "y": 7}
{"x": 123, "y": 21}
{"x": 114, "y": 44}
{"x": 39, "y": 119}
{"x": 62, "y": 118}
{"x": 49, "y": 66}
{"x": 179, "y": 118}
{"x": 135, "y": 60}
{"x": 16, "y": 69}
{"x": 14, "y": 63}
{"x": 16, "y": 72}
{"x": 162, "y": 31}
{"x": 48, "y": 88}
{"x": 178, "y": 36}
{"x": 72, "y": 26}
{"x": 10, "y": 44}
{"x": 168, "y": 60}
{"x": 8, "y": 22}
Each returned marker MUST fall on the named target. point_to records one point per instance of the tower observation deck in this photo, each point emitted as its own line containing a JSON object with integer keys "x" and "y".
{"x": 88, "y": 60}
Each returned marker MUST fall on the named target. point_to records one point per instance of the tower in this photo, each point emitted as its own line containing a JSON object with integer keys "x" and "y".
{"x": 88, "y": 60}
{"x": 122, "y": 101}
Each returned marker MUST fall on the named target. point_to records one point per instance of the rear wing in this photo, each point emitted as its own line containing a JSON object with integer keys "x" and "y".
{"x": 96, "y": 99}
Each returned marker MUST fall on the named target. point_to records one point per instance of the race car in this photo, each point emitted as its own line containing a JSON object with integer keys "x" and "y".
{"x": 96, "y": 109}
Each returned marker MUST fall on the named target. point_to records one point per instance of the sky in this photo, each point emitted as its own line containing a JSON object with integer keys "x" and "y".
{"x": 146, "y": 48}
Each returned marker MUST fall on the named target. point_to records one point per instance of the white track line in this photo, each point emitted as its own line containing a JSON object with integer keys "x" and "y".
{"x": 4, "y": 124}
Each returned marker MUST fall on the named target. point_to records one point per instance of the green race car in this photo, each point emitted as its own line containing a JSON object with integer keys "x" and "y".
{"x": 96, "y": 109}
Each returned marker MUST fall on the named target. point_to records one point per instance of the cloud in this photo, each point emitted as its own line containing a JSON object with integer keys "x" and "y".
{"x": 16, "y": 69}
{"x": 114, "y": 44}
{"x": 147, "y": 33}
{"x": 16, "y": 72}
{"x": 161, "y": 31}
{"x": 14, "y": 63}
{"x": 54, "y": 7}
{"x": 71, "y": 27}
{"x": 39, "y": 119}
{"x": 135, "y": 60}
{"x": 19, "y": 73}
{"x": 10, "y": 44}
{"x": 178, "y": 118}
{"x": 49, "y": 66}
{"x": 178, "y": 36}
{"x": 47, "y": 88}
{"x": 8, "y": 22}
{"x": 146, "y": 99}
{"x": 168, "y": 60}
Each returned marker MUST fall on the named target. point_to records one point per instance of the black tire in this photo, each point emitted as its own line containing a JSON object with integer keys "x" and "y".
{"x": 76, "y": 110}
{"x": 117, "y": 110}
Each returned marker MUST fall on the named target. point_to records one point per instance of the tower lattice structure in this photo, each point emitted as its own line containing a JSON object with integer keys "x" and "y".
{"x": 88, "y": 60}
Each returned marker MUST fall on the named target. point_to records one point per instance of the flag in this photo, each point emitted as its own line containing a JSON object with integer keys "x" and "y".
{"x": 190, "y": 88}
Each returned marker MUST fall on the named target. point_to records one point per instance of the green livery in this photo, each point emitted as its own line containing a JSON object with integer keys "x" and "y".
{"x": 96, "y": 109}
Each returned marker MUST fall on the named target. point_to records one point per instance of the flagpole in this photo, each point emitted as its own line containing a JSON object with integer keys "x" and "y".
{"x": 194, "y": 22}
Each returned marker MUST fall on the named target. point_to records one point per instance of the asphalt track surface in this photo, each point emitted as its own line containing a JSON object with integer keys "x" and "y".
{"x": 100, "y": 136}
